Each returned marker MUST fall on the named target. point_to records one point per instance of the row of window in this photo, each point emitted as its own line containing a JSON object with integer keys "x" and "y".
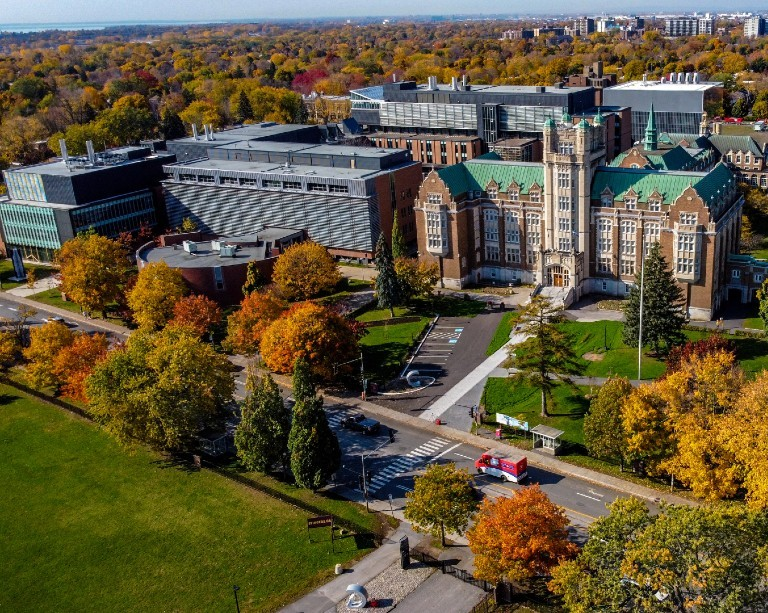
{"x": 756, "y": 277}
{"x": 511, "y": 256}
{"x": 264, "y": 183}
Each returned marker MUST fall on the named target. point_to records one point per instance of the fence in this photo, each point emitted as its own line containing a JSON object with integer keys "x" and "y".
{"x": 448, "y": 569}
{"x": 45, "y": 398}
{"x": 486, "y": 605}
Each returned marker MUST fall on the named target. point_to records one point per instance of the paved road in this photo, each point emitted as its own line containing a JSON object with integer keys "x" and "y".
{"x": 10, "y": 310}
{"x": 394, "y": 465}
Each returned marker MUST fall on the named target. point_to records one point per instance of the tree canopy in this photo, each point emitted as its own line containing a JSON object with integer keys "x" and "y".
{"x": 246, "y": 326}
{"x": 154, "y": 296}
{"x": 387, "y": 288}
{"x": 305, "y": 270}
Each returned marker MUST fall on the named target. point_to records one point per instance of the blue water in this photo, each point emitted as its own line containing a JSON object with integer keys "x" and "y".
{"x": 25, "y": 28}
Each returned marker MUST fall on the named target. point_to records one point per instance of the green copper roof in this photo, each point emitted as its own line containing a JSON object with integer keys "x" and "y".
{"x": 599, "y": 119}
{"x": 651, "y": 135}
{"x": 676, "y": 158}
{"x": 670, "y": 185}
{"x": 476, "y": 174}
{"x": 724, "y": 144}
{"x": 550, "y": 123}
{"x": 566, "y": 117}
{"x": 583, "y": 124}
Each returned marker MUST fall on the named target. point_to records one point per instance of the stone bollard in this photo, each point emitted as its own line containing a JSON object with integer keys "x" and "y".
{"x": 339, "y": 570}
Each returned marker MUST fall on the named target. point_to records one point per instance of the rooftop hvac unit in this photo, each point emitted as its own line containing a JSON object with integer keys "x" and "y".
{"x": 190, "y": 246}
{"x": 227, "y": 251}
{"x": 216, "y": 245}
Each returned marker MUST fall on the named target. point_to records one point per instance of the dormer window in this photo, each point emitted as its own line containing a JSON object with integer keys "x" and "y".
{"x": 688, "y": 219}
{"x": 514, "y": 194}
{"x": 493, "y": 193}
{"x": 606, "y": 200}
{"x": 630, "y": 203}
{"x": 435, "y": 198}
{"x": 535, "y": 197}
{"x": 738, "y": 158}
{"x": 747, "y": 159}
{"x": 654, "y": 205}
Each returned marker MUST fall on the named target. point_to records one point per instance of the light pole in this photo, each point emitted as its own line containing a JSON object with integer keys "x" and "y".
{"x": 365, "y": 480}
{"x": 235, "y": 589}
{"x": 640, "y": 326}
{"x": 362, "y": 370}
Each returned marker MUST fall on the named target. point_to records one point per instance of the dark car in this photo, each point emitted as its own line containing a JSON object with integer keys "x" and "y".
{"x": 361, "y": 423}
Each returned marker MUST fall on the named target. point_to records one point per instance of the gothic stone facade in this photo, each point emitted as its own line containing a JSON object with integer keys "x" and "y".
{"x": 572, "y": 222}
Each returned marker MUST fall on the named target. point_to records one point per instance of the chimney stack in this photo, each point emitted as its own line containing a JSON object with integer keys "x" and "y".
{"x": 210, "y": 130}
{"x": 454, "y": 84}
{"x": 91, "y": 152}
{"x": 63, "y": 147}
{"x": 194, "y": 131}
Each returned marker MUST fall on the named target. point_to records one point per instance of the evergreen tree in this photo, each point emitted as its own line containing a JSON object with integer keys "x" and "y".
{"x": 244, "y": 110}
{"x": 386, "y": 281}
{"x": 604, "y": 434}
{"x": 315, "y": 451}
{"x": 262, "y": 436}
{"x": 546, "y": 355}
{"x": 663, "y": 306}
{"x": 303, "y": 386}
{"x": 171, "y": 125}
{"x": 399, "y": 248}
{"x": 254, "y": 280}
{"x": 762, "y": 296}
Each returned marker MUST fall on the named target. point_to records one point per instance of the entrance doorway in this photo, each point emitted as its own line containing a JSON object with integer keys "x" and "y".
{"x": 558, "y": 276}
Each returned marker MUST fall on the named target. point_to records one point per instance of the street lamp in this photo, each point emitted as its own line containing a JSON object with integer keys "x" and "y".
{"x": 235, "y": 589}
{"x": 362, "y": 370}
{"x": 365, "y": 480}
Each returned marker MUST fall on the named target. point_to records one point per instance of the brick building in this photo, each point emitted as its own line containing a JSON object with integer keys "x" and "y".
{"x": 575, "y": 226}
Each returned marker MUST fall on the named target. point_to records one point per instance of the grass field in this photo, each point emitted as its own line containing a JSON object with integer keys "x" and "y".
{"x": 523, "y": 402}
{"x": 385, "y": 347}
{"x": 754, "y": 323}
{"x": 52, "y": 297}
{"x": 6, "y": 272}
{"x": 89, "y": 527}
{"x": 501, "y": 336}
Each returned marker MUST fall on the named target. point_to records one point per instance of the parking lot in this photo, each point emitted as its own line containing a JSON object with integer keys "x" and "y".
{"x": 438, "y": 347}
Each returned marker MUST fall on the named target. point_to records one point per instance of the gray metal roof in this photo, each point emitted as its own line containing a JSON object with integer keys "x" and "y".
{"x": 272, "y": 168}
{"x": 547, "y": 431}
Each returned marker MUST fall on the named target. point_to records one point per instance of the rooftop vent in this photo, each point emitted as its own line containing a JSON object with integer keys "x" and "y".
{"x": 194, "y": 131}
{"x": 190, "y": 246}
{"x": 227, "y": 251}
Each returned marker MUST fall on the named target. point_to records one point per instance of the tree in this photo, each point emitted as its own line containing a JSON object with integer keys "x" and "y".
{"x": 254, "y": 280}
{"x": 545, "y": 356}
{"x": 262, "y": 435}
{"x": 594, "y": 581}
{"x": 162, "y": 389}
{"x": 304, "y": 271}
{"x": 198, "y": 313}
{"x": 443, "y": 497}
{"x": 519, "y": 537}
{"x": 416, "y": 279}
{"x": 158, "y": 288}
{"x": 315, "y": 451}
{"x": 303, "y": 385}
{"x": 246, "y": 326}
{"x": 399, "y": 247}
{"x": 663, "y": 306}
{"x": 44, "y": 343}
{"x": 171, "y": 125}
{"x": 604, "y": 434}
{"x": 9, "y": 349}
{"x": 648, "y": 438}
{"x": 321, "y": 336}
{"x": 244, "y": 110}
{"x": 762, "y": 296}
{"x": 682, "y": 354}
{"x": 93, "y": 269}
{"x": 747, "y": 439}
{"x": 386, "y": 281}
{"x": 74, "y": 363}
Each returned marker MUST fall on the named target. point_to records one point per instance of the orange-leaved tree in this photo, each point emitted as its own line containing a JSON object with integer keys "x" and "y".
{"x": 304, "y": 271}
{"x": 93, "y": 269}
{"x": 44, "y": 343}
{"x": 519, "y": 537}
{"x": 75, "y": 362}
{"x": 196, "y": 312}
{"x": 246, "y": 326}
{"x": 309, "y": 331}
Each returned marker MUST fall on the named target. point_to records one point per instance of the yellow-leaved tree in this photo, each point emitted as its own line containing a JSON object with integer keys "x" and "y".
{"x": 45, "y": 342}
{"x": 304, "y": 271}
{"x": 158, "y": 288}
{"x": 644, "y": 417}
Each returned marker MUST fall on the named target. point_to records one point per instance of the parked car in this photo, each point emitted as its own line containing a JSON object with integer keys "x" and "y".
{"x": 361, "y": 423}
{"x": 718, "y": 118}
{"x": 54, "y": 318}
{"x": 760, "y": 126}
{"x": 732, "y": 120}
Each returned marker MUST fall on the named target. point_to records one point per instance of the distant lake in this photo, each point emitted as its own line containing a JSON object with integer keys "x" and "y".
{"x": 25, "y": 28}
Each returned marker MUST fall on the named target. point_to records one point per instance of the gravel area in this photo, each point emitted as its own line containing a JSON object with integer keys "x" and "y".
{"x": 392, "y": 586}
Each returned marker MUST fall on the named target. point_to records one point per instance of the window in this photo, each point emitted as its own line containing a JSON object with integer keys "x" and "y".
{"x": 317, "y": 187}
{"x": 606, "y": 200}
{"x": 535, "y": 196}
{"x": 338, "y": 189}
{"x": 533, "y": 257}
{"x": 228, "y": 180}
{"x": 747, "y": 159}
{"x": 512, "y": 227}
{"x": 436, "y": 230}
{"x": 604, "y": 235}
{"x": 630, "y": 203}
{"x": 685, "y": 266}
{"x": 513, "y": 255}
{"x": 654, "y": 205}
{"x": 251, "y": 183}
{"x": 566, "y": 148}
{"x": 296, "y": 185}
{"x": 764, "y": 181}
{"x": 188, "y": 178}
{"x": 604, "y": 264}
{"x": 738, "y": 158}
{"x": 564, "y": 203}
{"x": 564, "y": 244}
{"x": 218, "y": 277}
{"x": 491, "y": 219}
{"x": 273, "y": 184}
{"x": 435, "y": 198}
{"x": 627, "y": 267}
{"x": 204, "y": 179}
{"x": 758, "y": 278}
{"x": 492, "y": 253}
{"x": 533, "y": 229}
{"x": 688, "y": 219}
{"x": 514, "y": 194}
{"x": 736, "y": 274}
{"x": 493, "y": 193}
{"x": 651, "y": 233}
{"x": 563, "y": 178}
{"x": 564, "y": 224}
{"x": 686, "y": 242}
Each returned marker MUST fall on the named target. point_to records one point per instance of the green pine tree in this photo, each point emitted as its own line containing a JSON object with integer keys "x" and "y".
{"x": 663, "y": 306}
{"x": 171, "y": 125}
{"x": 315, "y": 451}
{"x": 386, "y": 281}
{"x": 604, "y": 434}
{"x": 244, "y": 111}
{"x": 303, "y": 386}
{"x": 399, "y": 248}
{"x": 262, "y": 436}
{"x": 254, "y": 280}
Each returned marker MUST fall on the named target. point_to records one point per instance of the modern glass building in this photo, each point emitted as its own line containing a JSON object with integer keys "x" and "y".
{"x": 48, "y": 204}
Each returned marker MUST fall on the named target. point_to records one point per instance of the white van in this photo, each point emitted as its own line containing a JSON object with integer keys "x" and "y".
{"x": 760, "y": 126}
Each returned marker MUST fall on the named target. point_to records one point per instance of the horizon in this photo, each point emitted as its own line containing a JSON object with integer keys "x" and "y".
{"x": 139, "y": 12}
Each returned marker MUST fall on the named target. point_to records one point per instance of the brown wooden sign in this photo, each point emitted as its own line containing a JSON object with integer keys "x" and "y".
{"x": 321, "y": 521}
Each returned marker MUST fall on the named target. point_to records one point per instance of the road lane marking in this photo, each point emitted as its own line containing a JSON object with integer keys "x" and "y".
{"x": 447, "y": 451}
{"x": 594, "y": 493}
{"x": 402, "y": 487}
{"x": 590, "y": 497}
{"x": 461, "y": 455}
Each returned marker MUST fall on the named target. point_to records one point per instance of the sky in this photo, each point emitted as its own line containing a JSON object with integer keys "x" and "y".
{"x": 74, "y": 11}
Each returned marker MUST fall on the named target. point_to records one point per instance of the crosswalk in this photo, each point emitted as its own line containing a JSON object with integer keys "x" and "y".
{"x": 335, "y": 416}
{"x": 406, "y": 463}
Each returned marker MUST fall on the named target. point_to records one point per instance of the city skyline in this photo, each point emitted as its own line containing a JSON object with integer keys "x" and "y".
{"x": 139, "y": 11}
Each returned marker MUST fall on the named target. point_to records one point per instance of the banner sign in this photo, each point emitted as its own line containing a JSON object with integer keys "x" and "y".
{"x": 321, "y": 521}
{"x": 511, "y": 421}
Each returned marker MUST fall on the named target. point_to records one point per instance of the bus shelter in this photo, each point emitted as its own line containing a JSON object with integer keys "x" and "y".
{"x": 547, "y": 439}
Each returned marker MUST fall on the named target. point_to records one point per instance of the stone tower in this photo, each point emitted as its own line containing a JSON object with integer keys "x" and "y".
{"x": 571, "y": 155}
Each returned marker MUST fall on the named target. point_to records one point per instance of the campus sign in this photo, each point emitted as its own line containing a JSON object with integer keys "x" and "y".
{"x": 511, "y": 421}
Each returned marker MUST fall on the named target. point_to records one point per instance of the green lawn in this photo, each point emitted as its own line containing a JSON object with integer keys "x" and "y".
{"x": 504, "y": 329}
{"x": 6, "y": 272}
{"x": 382, "y": 314}
{"x": 501, "y": 395}
{"x": 89, "y": 527}
{"x": 386, "y": 347}
{"x": 756, "y": 323}
{"x": 52, "y": 297}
